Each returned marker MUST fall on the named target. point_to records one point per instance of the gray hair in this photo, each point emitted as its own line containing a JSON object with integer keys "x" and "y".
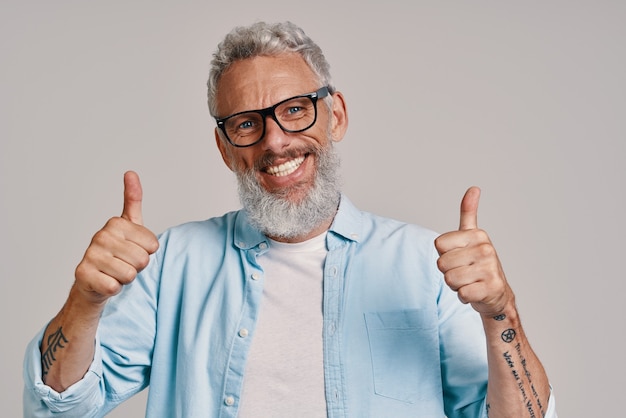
{"x": 265, "y": 39}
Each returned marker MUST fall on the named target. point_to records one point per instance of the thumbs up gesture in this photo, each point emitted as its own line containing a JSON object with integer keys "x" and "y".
{"x": 119, "y": 250}
{"x": 470, "y": 263}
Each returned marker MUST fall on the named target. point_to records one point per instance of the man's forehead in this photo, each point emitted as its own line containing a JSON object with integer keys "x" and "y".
{"x": 261, "y": 81}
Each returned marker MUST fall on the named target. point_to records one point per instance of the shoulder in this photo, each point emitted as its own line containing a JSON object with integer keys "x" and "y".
{"x": 389, "y": 226}
{"x": 370, "y": 226}
{"x": 208, "y": 231}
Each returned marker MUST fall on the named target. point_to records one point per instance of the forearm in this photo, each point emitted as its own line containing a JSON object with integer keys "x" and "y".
{"x": 518, "y": 385}
{"x": 67, "y": 348}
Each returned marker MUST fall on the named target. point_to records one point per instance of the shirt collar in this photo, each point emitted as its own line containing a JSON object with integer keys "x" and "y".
{"x": 246, "y": 236}
{"x": 348, "y": 224}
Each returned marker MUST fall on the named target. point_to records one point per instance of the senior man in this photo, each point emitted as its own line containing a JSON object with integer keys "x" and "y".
{"x": 298, "y": 305}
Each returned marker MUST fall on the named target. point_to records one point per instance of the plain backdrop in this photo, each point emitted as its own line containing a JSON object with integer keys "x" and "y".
{"x": 525, "y": 99}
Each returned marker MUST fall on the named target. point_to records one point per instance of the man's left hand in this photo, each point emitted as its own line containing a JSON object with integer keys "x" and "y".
{"x": 470, "y": 263}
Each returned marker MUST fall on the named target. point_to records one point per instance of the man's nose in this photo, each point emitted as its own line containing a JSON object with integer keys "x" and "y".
{"x": 275, "y": 138}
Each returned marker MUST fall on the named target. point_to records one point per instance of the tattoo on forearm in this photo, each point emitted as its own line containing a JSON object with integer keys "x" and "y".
{"x": 501, "y": 317}
{"x": 509, "y": 360}
{"x": 55, "y": 342}
{"x": 520, "y": 383}
{"x": 519, "y": 378}
{"x": 508, "y": 335}
{"x": 518, "y": 348}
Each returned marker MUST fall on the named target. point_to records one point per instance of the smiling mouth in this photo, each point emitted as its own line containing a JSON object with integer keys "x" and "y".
{"x": 285, "y": 168}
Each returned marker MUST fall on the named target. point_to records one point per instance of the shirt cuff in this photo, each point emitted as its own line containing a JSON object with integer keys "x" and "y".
{"x": 81, "y": 397}
{"x": 551, "y": 411}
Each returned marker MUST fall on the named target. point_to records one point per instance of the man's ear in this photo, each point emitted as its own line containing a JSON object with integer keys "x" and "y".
{"x": 221, "y": 145}
{"x": 339, "y": 113}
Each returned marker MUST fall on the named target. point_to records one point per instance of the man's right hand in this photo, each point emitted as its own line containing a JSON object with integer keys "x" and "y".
{"x": 117, "y": 252}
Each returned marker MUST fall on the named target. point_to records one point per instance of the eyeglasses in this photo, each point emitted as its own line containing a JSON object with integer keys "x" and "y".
{"x": 295, "y": 114}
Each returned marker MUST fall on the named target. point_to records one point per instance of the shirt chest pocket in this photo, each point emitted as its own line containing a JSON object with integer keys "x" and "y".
{"x": 404, "y": 348}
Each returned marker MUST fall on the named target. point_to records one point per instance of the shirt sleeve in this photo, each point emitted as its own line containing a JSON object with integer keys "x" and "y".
{"x": 122, "y": 361}
{"x": 82, "y": 399}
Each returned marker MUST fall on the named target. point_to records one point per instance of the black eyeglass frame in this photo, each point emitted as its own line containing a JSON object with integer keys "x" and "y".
{"x": 270, "y": 111}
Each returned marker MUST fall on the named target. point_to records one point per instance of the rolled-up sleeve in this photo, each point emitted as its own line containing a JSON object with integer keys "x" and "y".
{"x": 82, "y": 399}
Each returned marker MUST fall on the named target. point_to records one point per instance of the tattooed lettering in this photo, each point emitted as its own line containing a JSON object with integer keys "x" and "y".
{"x": 508, "y": 359}
{"x": 55, "y": 342}
{"x": 521, "y": 382}
{"x": 539, "y": 404}
{"x": 501, "y": 317}
{"x": 508, "y": 335}
{"x": 518, "y": 348}
{"x": 488, "y": 407}
{"x": 532, "y": 388}
{"x": 529, "y": 406}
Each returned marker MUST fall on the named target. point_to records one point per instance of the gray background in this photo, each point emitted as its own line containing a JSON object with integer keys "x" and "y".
{"x": 525, "y": 99}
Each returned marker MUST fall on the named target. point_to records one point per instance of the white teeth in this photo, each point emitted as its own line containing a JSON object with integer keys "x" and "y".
{"x": 285, "y": 168}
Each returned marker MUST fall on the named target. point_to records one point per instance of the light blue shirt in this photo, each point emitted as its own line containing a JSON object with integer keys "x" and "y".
{"x": 397, "y": 341}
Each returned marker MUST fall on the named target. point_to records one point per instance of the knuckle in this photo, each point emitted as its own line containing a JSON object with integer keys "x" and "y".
{"x": 82, "y": 271}
{"x": 110, "y": 287}
{"x": 450, "y": 279}
{"x": 442, "y": 242}
{"x": 486, "y": 250}
{"x": 441, "y": 265}
{"x": 102, "y": 238}
{"x": 482, "y": 235}
{"x": 114, "y": 223}
{"x": 143, "y": 261}
{"x": 127, "y": 275}
{"x": 462, "y": 294}
{"x": 153, "y": 244}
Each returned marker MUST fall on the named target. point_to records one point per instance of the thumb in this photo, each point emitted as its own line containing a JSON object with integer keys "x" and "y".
{"x": 132, "y": 198}
{"x": 469, "y": 209}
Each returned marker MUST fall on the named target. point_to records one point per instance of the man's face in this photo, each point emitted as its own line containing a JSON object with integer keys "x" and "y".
{"x": 284, "y": 163}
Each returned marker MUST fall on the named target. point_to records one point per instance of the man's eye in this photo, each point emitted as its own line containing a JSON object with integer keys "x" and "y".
{"x": 248, "y": 124}
{"x": 294, "y": 109}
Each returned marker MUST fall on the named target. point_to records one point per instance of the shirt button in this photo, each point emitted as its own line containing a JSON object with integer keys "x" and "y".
{"x": 262, "y": 245}
{"x": 255, "y": 276}
{"x": 230, "y": 401}
{"x": 243, "y": 333}
{"x": 333, "y": 271}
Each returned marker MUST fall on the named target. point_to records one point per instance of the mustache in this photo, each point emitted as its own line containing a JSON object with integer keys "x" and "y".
{"x": 269, "y": 157}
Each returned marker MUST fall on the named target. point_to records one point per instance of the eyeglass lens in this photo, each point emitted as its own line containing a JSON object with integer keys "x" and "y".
{"x": 294, "y": 115}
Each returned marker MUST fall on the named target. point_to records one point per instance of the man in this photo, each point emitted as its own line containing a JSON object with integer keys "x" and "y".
{"x": 299, "y": 305}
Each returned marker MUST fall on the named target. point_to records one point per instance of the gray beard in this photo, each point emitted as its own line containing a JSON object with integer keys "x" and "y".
{"x": 278, "y": 217}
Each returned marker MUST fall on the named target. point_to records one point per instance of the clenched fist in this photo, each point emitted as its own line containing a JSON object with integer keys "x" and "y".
{"x": 118, "y": 251}
{"x": 470, "y": 263}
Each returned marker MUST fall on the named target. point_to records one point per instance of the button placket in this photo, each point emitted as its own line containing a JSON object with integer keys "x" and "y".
{"x": 253, "y": 289}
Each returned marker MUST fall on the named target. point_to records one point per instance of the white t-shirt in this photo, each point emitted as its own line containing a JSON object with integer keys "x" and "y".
{"x": 284, "y": 374}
